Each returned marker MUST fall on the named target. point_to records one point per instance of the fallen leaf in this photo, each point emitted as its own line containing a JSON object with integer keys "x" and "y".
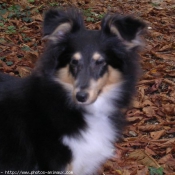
{"x": 149, "y": 111}
{"x": 169, "y": 108}
{"x": 163, "y": 56}
{"x": 165, "y": 159}
{"x": 142, "y": 157}
{"x": 150, "y": 151}
{"x": 24, "y": 71}
{"x": 149, "y": 127}
{"x": 157, "y": 134}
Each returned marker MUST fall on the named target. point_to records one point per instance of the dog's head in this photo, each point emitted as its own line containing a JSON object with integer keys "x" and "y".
{"x": 88, "y": 62}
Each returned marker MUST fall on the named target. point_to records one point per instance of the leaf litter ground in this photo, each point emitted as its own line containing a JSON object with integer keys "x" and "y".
{"x": 148, "y": 144}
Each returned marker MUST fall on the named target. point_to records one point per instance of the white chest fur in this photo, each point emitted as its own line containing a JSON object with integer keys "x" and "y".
{"x": 95, "y": 145}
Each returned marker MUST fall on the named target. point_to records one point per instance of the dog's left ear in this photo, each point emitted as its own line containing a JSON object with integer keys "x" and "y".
{"x": 126, "y": 28}
{"x": 59, "y": 23}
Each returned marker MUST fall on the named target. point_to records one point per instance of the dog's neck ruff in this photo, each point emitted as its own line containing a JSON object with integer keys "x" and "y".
{"x": 94, "y": 145}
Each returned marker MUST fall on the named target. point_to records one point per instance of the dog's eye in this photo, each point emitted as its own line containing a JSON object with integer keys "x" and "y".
{"x": 74, "y": 62}
{"x": 100, "y": 62}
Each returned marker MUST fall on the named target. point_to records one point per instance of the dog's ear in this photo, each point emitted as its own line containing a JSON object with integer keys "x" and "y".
{"x": 59, "y": 23}
{"x": 126, "y": 28}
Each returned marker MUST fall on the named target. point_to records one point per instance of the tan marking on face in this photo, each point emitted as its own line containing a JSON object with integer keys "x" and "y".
{"x": 104, "y": 84}
{"x": 77, "y": 56}
{"x": 93, "y": 90}
{"x": 65, "y": 78}
{"x": 97, "y": 87}
{"x": 96, "y": 56}
{"x": 114, "y": 78}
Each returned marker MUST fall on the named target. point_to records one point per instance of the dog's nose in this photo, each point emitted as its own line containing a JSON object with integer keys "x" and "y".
{"x": 82, "y": 96}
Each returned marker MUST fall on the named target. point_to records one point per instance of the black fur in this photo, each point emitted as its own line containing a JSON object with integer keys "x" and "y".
{"x": 36, "y": 112}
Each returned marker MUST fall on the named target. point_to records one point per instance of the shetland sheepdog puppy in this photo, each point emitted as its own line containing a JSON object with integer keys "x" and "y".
{"x": 67, "y": 114}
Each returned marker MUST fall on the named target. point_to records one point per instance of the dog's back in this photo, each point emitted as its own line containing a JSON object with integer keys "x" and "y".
{"x": 68, "y": 112}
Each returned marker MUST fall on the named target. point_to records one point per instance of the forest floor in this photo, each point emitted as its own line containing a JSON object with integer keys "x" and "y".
{"x": 148, "y": 145}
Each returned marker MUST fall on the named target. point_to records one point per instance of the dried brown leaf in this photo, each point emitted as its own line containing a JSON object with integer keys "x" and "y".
{"x": 143, "y": 171}
{"x": 166, "y": 47}
{"x": 147, "y": 103}
{"x": 149, "y": 127}
{"x": 165, "y": 159}
{"x": 150, "y": 151}
{"x": 134, "y": 119}
{"x": 163, "y": 56}
{"x": 142, "y": 157}
{"x": 149, "y": 111}
{"x": 157, "y": 134}
{"x": 169, "y": 108}
{"x": 24, "y": 71}
{"x": 126, "y": 172}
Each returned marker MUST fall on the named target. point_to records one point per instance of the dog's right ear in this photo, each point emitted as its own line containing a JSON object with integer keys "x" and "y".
{"x": 59, "y": 23}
